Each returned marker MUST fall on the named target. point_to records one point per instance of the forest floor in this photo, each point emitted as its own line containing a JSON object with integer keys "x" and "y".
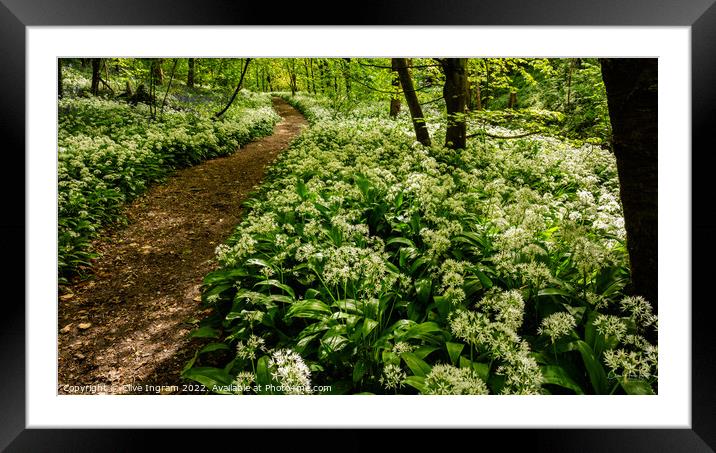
{"x": 128, "y": 326}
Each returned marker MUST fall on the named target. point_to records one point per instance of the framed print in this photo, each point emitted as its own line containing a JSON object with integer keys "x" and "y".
{"x": 576, "y": 404}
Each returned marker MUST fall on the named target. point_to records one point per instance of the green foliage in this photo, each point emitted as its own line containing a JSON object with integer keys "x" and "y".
{"x": 109, "y": 152}
{"x": 371, "y": 264}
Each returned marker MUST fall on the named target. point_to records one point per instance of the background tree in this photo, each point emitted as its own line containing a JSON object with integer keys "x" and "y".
{"x": 190, "y": 73}
{"x": 416, "y": 112}
{"x": 59, "y": 77}
{"x": 631, "y": 85}
{"x": 455, "y": 95}
{"x": 94, "y": 88}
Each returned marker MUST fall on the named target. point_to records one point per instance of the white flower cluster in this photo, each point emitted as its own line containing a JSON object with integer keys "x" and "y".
{"x": 493, "y": 329}
{"x": 448, "y": 380}
{"x": 557, "y": 325}
{"x": 290, "y": 371}
{"x": 392, "y": 376}
{"x": 249, "y": 349}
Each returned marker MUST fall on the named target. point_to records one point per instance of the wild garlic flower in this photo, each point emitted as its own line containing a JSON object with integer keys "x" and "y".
{"x": 523, "y": 376}
{"x": 639, "y": 310}
{"x": 448, "y": 380}
{"x": 452, "y": 280}
{"x": 631, "y": 364}
{"x": 243, "y": 381}
{"x": 557, "y": 325}
{"x": 290, "y": 371}
{"x": 402, "y": 346}
{"x": 610, "y": 326}
{"x": 507, "y": 307}
{"x": 392, "y": 376}
{"x": 249, "y": 349}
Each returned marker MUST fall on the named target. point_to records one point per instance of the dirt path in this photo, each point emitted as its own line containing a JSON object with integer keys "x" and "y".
{"x": 129, "y": 324}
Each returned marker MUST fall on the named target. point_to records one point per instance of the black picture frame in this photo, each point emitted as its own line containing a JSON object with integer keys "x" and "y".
{"x": 16, "y": 15}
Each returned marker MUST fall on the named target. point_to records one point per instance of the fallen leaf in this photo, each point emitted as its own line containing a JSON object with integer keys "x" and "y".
{"x": 85, "y": 325}
{"x": 66, "y": 329}
{"x": 67, "y": 296}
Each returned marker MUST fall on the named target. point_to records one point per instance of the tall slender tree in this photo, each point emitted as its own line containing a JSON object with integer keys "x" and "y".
{"x": 411, "y": 98}
{"x": 236, "y": 92}
{"x": 455, "y": 95}
{"x": 631, "y": 85}
{"x": 59, "y": 78}
{"x": 395, "y": 92}
{"x": 190, "y": 74}
{"x": 96, "y": 64}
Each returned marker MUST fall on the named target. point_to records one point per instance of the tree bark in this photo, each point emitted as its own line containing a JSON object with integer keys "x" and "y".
{"x": 416, "y": 112}
{"x": 59, "y": 77}
{"x": 455, "y": 94}
{"x": 478, "y": 97}
{"x": 395, "y": 96}
{"x": 190, "y": 74}
{"x": 512, "y": 103}
{"x": 169, "y": 86}
{"x": 94, "y": 88}
{"x": 631, "y": 86}
{"x": 158, "y": 72}
{"x": 238, "y": 88}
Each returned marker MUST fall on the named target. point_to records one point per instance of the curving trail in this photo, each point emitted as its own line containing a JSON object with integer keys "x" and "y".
{"x": 128, "y": 325}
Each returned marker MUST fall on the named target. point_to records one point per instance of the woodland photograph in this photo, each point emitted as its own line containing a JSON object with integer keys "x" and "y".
{"x": 341, "y": 226}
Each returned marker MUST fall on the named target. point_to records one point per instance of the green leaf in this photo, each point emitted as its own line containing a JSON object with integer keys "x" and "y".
{"x": 205, "y": 332}
{"x": 277, "y": 284}
{"x": 454, "y": 350}
{"x": 424, "y": 351}
{"x": 368, "y": 326}
{"x": 553, "y": 292}
{"x": 190, "y": 363}
{"x": 257, "y": 262}
{"x": 556, "y": 375}
{"x": 417, "y": 382}
{"x": 211, "y": 347}
{"x": 263, "y": 377}
{"x": 334, "y": 343}
{"x": 423, "y": 288}
{"x": 482, "y": 370}
{"x": 416, "y": 365}
{"x": 358, "y": 371}
{"x": 400, "y": 240}
{"x": 309, "y": 308}
{"x": 637, "y": 387}
{"x": 301, "y": 189}
{"x": 421, "y": 331}
{"x": 484, "y": 279}
{"x": 213, "y": 378}
{"x": 597, "y": 376}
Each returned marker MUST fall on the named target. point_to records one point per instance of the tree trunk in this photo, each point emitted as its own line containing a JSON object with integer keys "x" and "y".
{"x": 347, "y": 75}
{"x": 59, "y": 77}
{"x": 395, "y": 96}
{"x": 631, "y": 85}
{"x": 313, "y": 76}
{"x": 416, "y": 113}
{"x": 487, "y": 83}
{"x": 190, "y": 74}
{"x": 512, "y": 103}
{"x": 238, "y": 88}
{"x": 158, "y": 72}
{"x": 478, "y": 97}
{"x": 454, "y": 93}
{"x": 572, "y": 64}
{"x": 94, "y": 88}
